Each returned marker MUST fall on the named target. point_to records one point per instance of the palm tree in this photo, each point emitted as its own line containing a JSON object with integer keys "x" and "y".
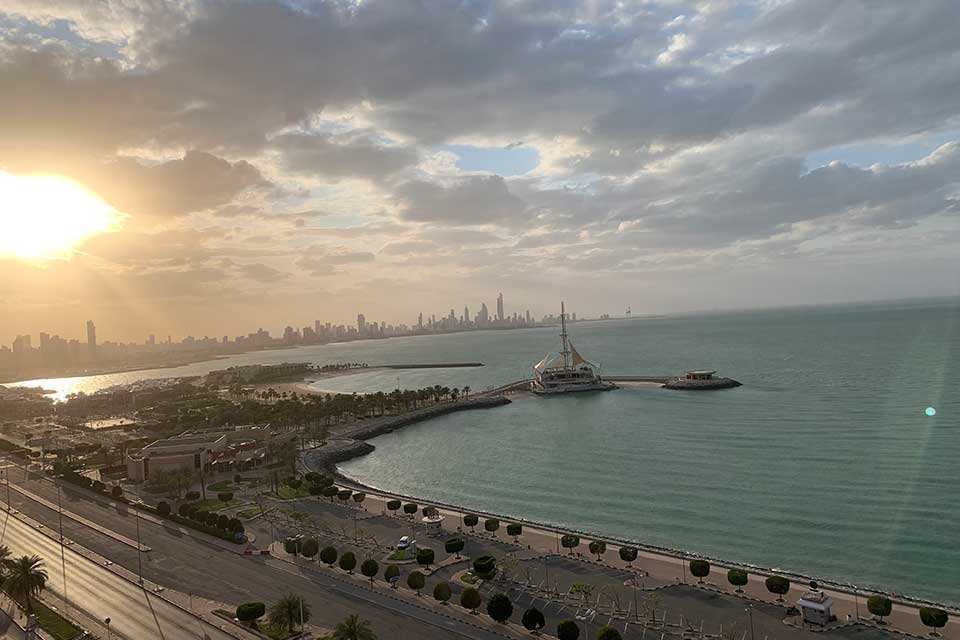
{"x": 4, "y": 558}
{"x": 26, "y": 579}
{"x": 285, "y": 612}
{"x": 353, "y": 628}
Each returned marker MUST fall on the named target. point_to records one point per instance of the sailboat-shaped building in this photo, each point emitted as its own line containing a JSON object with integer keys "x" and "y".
{"x": 567, "y": 371}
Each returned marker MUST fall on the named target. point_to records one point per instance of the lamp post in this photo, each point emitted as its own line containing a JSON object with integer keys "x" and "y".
{"x": 63, "y": 558}
{"x": 139, "y": 549}
{"x": 749, "y": 611}
{"x": 106, "y": 621}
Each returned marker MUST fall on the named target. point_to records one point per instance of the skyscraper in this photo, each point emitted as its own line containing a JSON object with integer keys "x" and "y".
{"x": 500, "y": 315}
{"x": 361, "y": 324}
{"x": 92, "y": 339}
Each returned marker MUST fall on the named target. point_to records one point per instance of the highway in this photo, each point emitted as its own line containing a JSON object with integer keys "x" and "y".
{"x": 208, "y": 571}
{"x": 134, "y": 613}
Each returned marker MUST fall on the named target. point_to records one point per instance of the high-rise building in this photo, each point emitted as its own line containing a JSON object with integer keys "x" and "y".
{"x": 484, "y": 316}
{"x": 420, "y": 320}
{"x": 361, "y": 324}
{"x": 92, "y": 338}
{"x": 500, "y": 315}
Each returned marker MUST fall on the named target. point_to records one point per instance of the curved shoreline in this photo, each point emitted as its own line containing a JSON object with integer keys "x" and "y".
{"x": 355, "y": 445}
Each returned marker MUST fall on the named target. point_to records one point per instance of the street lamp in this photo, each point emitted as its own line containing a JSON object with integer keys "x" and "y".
{"x": 136, "y": 514}
{"x": 106, "y": 621}
{"x": 749, "y": 611}
{"x": 63, "y": 558}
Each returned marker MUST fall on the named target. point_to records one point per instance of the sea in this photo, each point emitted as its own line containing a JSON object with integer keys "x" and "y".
{"x": 839, "y": 457}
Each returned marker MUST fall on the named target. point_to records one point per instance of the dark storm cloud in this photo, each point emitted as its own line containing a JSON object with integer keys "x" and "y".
{"x": 476, "y": 200}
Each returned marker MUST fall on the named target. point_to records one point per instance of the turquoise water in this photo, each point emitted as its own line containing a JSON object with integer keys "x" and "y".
{"x": 824, "y": 463}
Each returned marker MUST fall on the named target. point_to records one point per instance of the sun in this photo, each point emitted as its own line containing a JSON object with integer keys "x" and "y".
{"x": 46, "y": 216}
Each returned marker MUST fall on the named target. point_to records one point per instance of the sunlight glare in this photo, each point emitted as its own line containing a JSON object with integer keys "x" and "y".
{"x": 45, "y": 216}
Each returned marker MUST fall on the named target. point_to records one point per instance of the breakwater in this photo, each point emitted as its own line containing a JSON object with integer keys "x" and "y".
{"x": 351, "y": 442}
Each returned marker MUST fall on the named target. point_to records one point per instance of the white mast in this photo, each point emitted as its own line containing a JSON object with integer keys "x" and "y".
{"x": 563, "y": 336}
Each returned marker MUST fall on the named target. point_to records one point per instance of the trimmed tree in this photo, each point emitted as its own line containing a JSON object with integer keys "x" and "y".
{"x": 185, "y": 510}
{"x": 189, "y": 496}
{"x": 570, "y": 542}
{"x": 738, "y": 578}
{"x": 292, "y": 546}
{"x": 442, "y": 592}
{"x": 394, "y": 505}
{"x": 392, "y": 571}
{"x": 628, "y": 554}
{"x": 778, "y": 585}
{"x": 251, "y": 611}
{"x": 608, "y": 633}
{"x": 499, "y": 607}
{"x": 880, "y": 606}
{"x": 348, "y": 561}
{"x": 491, "y": 525}
{"x": 598, "y": 548}
{"x": 223, "y": 522}
{"x": 533, "y": 620}
{"x": 225, "y": 496}
{"x": 470, "y": 520}
{"x": 370, "y": 569}
{"x": 416, "y": 581}
{"x": 454, "y": 545}
{"x": 212, "y": 518}
{"x": 410, "y": 508}
{"x": 310, "y": 548}
{"x": 700, "y": 569}
{"x": 116, "y": 491}
{"x": 514, "y": 529}
{"x": 568, "y": 630}
{"x": 315, "y": 490}
{"x": 359, "y": 497}
{"x": 330, "y": 492}
{"x": 163, "y": 509}
{"x": 236, "y": 526}
{"x": 485, "y": 567}
{"x": 470, "y": 599}
{"x": 425, "y": 556}
{"x": 933, "y": 618}
{"x": 344, "y": 494}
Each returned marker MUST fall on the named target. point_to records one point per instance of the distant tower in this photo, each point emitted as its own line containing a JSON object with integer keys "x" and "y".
{"x": 466, "y": 315}
{"x": 420, "y": 320}
{"x": 92, "y": 338}
{"x": 361, "y": 324}
{"x": 500, "y": 315}
{"x": 628, "y": 311}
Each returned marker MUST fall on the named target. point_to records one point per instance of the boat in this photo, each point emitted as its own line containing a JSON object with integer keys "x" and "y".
{"x": 567, "y": 371}
{"x": 701, "y": 381}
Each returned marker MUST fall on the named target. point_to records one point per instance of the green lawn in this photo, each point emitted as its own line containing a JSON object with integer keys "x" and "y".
{"x": 273, "y": 631}
{"x": 212, "y": 504}
{"x": 223, "y": 485}
{"x": 53, "y": 623}
{"x": 289, "y": 493}
{"x": 249, "y": 513}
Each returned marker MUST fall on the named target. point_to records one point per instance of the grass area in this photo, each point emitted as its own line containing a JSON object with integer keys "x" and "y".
{"x": 399, "y": 555}
{"x": 469, "y": 578}
{"x": 53, "y": 623}
{"x": 212, "y": 504}
{"x": 249, "y": 513}
{"x": 289, "y": 493}
{"x": 223, "y": 485}
{"x": 273, "y": 631}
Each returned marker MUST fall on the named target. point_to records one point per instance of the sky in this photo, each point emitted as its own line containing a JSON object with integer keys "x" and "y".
{"x": 274, "y": 162}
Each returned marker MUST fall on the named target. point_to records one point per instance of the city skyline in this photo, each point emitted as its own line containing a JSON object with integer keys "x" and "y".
{"x": 673, "y": 156}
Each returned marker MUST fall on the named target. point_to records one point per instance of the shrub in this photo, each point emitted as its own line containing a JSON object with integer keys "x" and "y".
{"x": 442, "y": 592}
{"x": 568, "y": 630}
{"x": 598, "y": 548}
{"x": 416, "y": 581}
{"x": 454, "y": 545}
{"x": 738, "y": 578}
{"x": 391, "y": 572}
{"x": 328, "y": 555}
{"x": 491, "y": 525}
{"x": 212, "y": 519}
{"x": 514, "y": 529}
{"x": 330, "y": 492}
{"x": 880, "y": 606}
{"x": 294, "y": 483}
{"x": 628, "y": 554}
{"x": 191, "y": 495}
{"x": 394, "y": 505}
{"x": 608, "y": 633}
{"x": 99, "y": 486}
{"x": 570, "y": 541}
{"x": 425, "y": 556}
{"x": 185, "y": 510}
{"x": 533, "y": 619}
{"x": 410, "y": 508}
{"x": 312, "y": 477}
{"x": 700, "y": 569}
{"x": 292, "y": 545}
{"x": 236, "y": 478}
{"x": 499, "y": 607}
{"x": 235, "y": 525}
{"x": 225, "y": 496}
{"x": 310, "y": 548}
{"x": 485, "y": 566}
{"x": 315, "y": 490}
{"x": 199, "y": 516}
{"x": 250, "y": 611}
{"x": 370, "y": 569}
{"x": 471, "y": 520}
{"x": 430, "y": 510}
{"x": 933, "y": 617}
{"x": 348, "y": 561}
{"x": 163, "y": 509}
{"x": 344, "y": 494}
{"x": 223, "y": 522}
{"x": 778, "y": 585}
{"x": 116, "y": 491}
{"x": 470, "y": 599}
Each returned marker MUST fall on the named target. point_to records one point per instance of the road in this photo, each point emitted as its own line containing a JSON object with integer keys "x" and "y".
{"x": 134, "y": 613}
{"x": 208, "y": 571}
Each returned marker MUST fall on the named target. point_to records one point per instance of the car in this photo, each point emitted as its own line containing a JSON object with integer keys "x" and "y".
{"x": 404, "y": 543}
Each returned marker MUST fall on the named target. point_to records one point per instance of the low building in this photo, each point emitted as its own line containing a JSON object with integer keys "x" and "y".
{"x": 815, "y": 607}
{"x": 175, "y": 454}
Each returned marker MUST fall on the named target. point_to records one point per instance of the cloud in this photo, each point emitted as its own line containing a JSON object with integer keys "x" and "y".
{"x": 476, "y": 200}
{"x": 356, "y": 154}
{"x": 322, "y": 262}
